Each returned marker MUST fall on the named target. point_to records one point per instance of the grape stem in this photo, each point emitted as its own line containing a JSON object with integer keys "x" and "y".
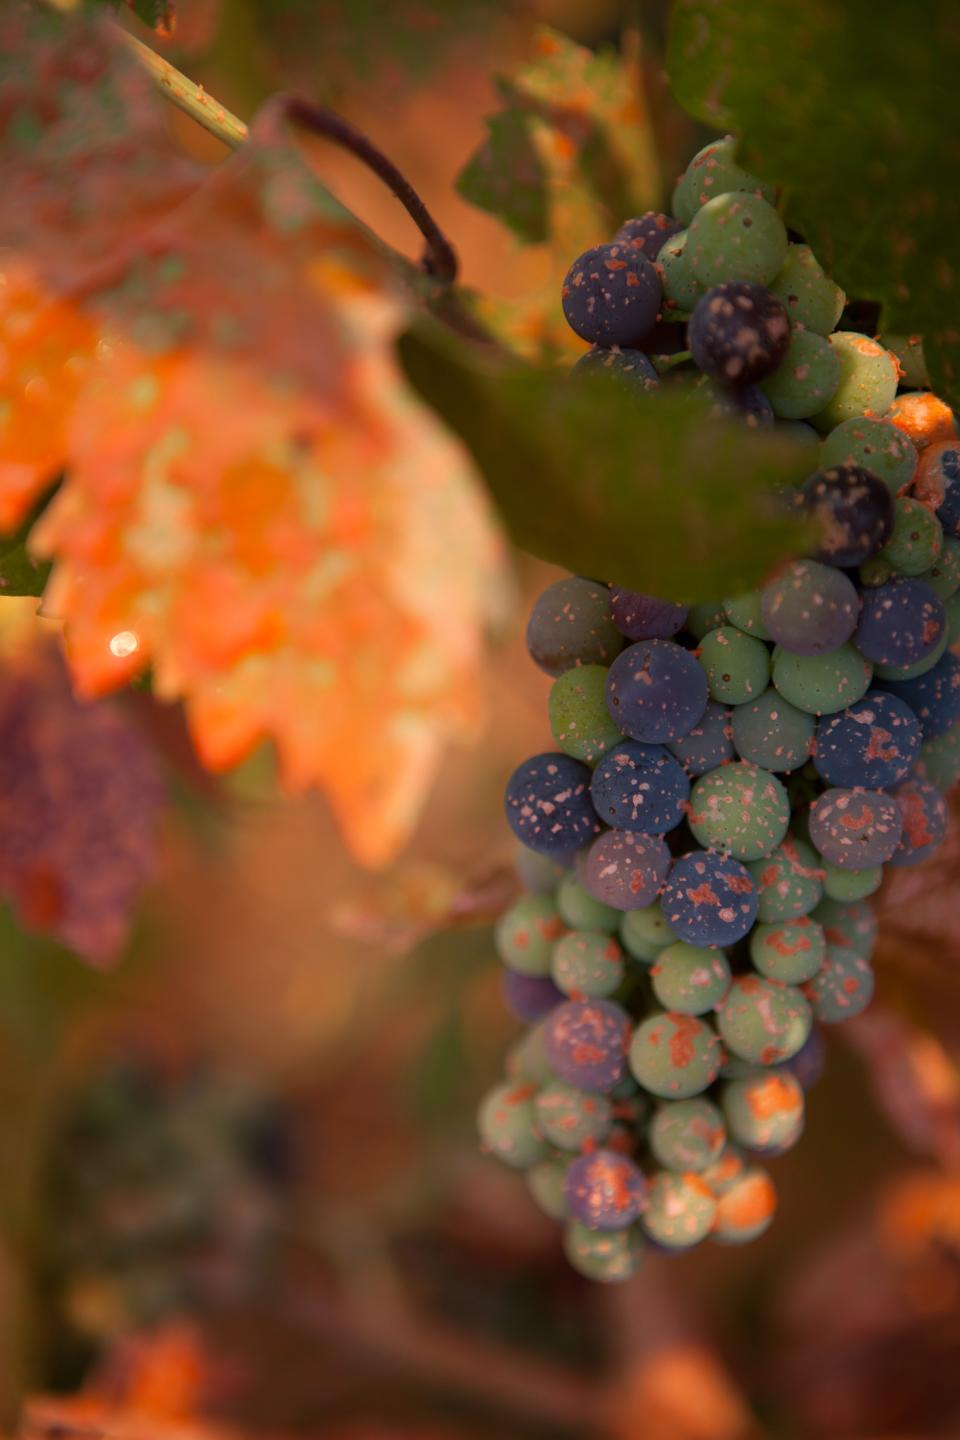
{"x": 439, "y": 258}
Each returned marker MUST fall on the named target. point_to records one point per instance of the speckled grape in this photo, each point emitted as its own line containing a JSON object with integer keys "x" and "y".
{"x": 675, "y": 1056}
{"x": 763, "y": 1021}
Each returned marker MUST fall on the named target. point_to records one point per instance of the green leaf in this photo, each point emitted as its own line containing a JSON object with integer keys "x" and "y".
{"x": 571, "y": 149}
{"x": 850, "y": 107}
{"x": 155, "y": 13}
{"x": 20, "y": 574}
{"x": 642, "y": 490}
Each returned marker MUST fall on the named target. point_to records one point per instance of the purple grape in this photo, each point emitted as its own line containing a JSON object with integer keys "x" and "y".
{"x": 708, "y": 744}
{"x": 630, "y": 369}
{"x": 548, "y": 804}
{"x": 855, "y": 829}
{"x": 808, "y": 1064}
{"x": 571, "y": 624}
{"x": 529, "y": 997}
{"x": 925, "y": 820}
{"x": 656, "y": 691}
{"x": 644, "y": 617}
{"x": 933, "y": 697}
{"x": 810, "y": 609}
{"x": 625, "y": 869}
{"x": 709, "y": 899}
{"x": 738, "y": 333}
{"x": 586, "y": 1043}
{"x": 611, "y": 295}
{"x": 854, "y": 510}
{"x": 939, "y": 481}
{"x": 640, "y": 787}
{"x": 648, "y": 232}
{"x": 872, "y": 745}
{"x": 605, "y": 1190}
{"x": 902, "y": 622}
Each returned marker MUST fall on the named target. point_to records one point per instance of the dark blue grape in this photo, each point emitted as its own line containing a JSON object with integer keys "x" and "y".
{"x": 640, "y": 787}
{"x": 611, "y": 295}
{"x": 808, "y": 1064}
{"x": 708, "y": 744}
{"x": 649, "y": 232}
{"x": 933, "y": 697}
{"x": 586, "y": 1043}
{"x": 925, "y": 820}
{"x": 738, "y": 333}
{"x": 747, "y": 403}
{"x": 709, "y": 899}
{"x": 605, "y": 1190}
{"x": 548, "y": 804}
{"x": 854, "y": 510}
{"x": 529, "y": 997}
{"x": 631, "y": 370}
{"x": 656, "y": 691}
{"x": 644, "y": 617}
{"x": 901, "y": 623}
{"x": 872, "y": 745}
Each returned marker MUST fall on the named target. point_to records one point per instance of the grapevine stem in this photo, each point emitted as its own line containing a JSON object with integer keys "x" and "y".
{"x": 439, "y": 257}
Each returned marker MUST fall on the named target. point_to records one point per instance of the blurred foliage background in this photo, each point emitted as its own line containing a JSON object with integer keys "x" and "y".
{"x": 240, "y": 1186}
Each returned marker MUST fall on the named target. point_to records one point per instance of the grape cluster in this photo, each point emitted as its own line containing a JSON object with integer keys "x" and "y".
{"x": 728, "y": 780}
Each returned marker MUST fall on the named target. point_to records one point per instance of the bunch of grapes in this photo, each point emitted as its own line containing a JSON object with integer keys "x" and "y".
{"x": 728, "y": 780}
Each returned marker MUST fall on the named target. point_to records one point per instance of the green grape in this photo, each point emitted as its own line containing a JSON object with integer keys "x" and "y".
{"x": 822, "y": 684}
{"x": 687, "y": 1134}
{"x": 609, "y": 1256}
{"x": 791, "y": 951}
{"x": 868, "y": 380}
{"x": 911, "y": 672}
{"x": 944, "y": 578}
{"x": 546, "y": 1182}
{"x": 527, "y": 1059}
{"x": 539, "y": 873}
{"x": 737, "y": 665}
{"x": 689, "y": 979}
{"x": 844, "y": 986}
{"x": 709, "y": 615}
{"x": 587, "y": 963}
{"x": 876, "y": 445}
{"x": 739, "y": 809}
{"x": 723, "y": 1174}
{"x": 644, "y": 933}
{"x": 810, "y": 296}
{"x": 579, "y": 910}
{"x": 507, "y": 1121}
{"x": 874, "y": 571}
{"x": 526, "y": 932}
{"x": 579, "y": 718}
{"x": 806, "y": 378}
{"x": 681, "y": 289}
{"x": 743, "y": 611}
{"x": 917, "y": 538}
{"x": 714, "y": 171}
{"x": 940, "y": 758}
{"x": 570, "y": 1118}
{"x": 746, "y": 1209}
{"x": 772, "y": 733}
{"x": 850, "y": 926}
{"x": 789, "y": 883}
{"x": 764, "y": 1112}
{"x": 908, "y": 350}
{"x": 680, "y": 1210}
{"x": 736, "y": 237}
{"x": 763, "y": 1021}
{"x": 675, "y": 1056}
{"x": 846, "y": 885}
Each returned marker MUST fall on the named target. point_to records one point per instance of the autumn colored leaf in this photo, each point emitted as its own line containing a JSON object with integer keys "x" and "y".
{"x": 256, "y": 506}
{"x": 914, "y": 1080}
{"x": 569, "y": 157}
{"x": 80, "y": 798}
